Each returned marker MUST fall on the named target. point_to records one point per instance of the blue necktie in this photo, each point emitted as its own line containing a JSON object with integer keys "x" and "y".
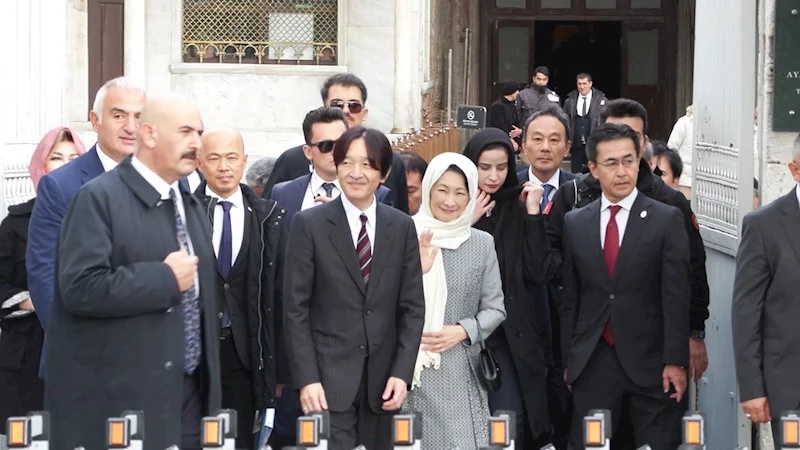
{"x": 191, "y": 308}
{"x": 328, "y": 189}
{"x": 548, "y": 189}
{"x": 225, "y": 257}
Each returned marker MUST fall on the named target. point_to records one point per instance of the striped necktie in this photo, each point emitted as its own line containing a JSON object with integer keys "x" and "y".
{"x": 364, "y": 250}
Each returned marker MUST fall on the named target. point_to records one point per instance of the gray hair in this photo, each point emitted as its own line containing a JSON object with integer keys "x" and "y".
{"x": 259, "y": 171}
{"x": 100, "y": 98}
{"x": 648, "y": 152}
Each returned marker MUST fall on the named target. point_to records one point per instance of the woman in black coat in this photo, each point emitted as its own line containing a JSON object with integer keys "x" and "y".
{"x": 21, "y": 389}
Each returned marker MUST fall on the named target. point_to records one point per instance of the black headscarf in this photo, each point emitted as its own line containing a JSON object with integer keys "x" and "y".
{"x": 509, "y": 229}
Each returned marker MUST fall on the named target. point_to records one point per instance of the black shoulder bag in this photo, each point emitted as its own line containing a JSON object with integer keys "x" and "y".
{"x": 489, "y": 374}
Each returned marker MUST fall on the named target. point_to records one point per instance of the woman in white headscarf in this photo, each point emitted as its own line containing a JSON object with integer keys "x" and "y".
{"x": 463, "y": 291}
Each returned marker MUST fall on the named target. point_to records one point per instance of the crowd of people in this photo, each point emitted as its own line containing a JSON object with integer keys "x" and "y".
{"x": 354, "y": 279}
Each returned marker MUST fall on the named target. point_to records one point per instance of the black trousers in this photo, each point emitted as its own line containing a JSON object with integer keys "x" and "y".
{"x": 559, "y": 406}
{"x": 509, "y": 396}
{"x": 578, "y": 158}
{"x": 237, "y": 391}
{"x": 603, "y": 384}
{"x": 192, "y": 413}
{"x": 359, "y": 425}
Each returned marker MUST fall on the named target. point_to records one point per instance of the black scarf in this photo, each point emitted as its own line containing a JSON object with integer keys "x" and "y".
{"x": 509, "y": 230}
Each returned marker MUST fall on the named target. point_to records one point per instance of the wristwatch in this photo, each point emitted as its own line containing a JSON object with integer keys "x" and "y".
{"x": 698, "y": 335}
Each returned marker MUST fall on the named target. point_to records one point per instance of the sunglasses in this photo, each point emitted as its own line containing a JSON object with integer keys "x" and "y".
{"x": 323, "y": 146}
{"x": 354, "y": 106}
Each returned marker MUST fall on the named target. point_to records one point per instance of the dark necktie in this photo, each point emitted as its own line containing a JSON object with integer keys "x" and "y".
{"x": 328, "y": 189}
{"x": 585, "y": 107}
{"x": 363, "y": 250}
{"x": 610, "y": 252}
{"x": 225, "y": 257}
{"x": 548, "y": 189}
{"x": 191, "y": 308}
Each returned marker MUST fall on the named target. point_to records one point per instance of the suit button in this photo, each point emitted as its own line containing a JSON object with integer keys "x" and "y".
{"x": 369, "y": 312}
{"x": 611, "y": 296}
{"x": 169, "y": 310}
{"x": 226, "y": 286}
{"x": 519, "y": 334}
{"x": 269, "y": 310}
{"x": 270, "y": 263}
{"x": 220, "y": 315}
{"x": 168, "y": 365}
{"x": 361, "y": 347}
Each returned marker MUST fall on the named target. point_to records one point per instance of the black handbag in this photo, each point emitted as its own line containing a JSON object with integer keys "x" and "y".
{"x": 489, "y": 370}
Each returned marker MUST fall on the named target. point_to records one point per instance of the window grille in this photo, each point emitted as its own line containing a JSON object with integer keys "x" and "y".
{"x": 302, "y": 32}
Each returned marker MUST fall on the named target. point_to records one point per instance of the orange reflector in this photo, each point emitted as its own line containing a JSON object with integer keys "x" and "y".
{"x": 308, "y": 432}
{"x": 693, "y": 432}
{"x": 16, "y": 433}
{"x": 402, "y": 431}
{"x": 498, "y": 433}
{"x": 116, "y": 434}
{"x": 212, "y": 428}
{"x": 791, "y": 432}
{"x": 594, "y": 432}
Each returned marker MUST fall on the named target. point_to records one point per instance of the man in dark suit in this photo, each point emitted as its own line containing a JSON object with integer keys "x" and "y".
{"x": 134, "y": 321}
{"x": 545, "y": 142}
{"x": 115, "y": 118}
{"x": 625, "y": 312}
{"x": 321, "y": 128}
{"x": 765, "y": 310}
{"x": 583, "y": 107}
{"x": 247, "y": 233}
{"x": 354, "y": 307}
{"x": 348, "y": 93}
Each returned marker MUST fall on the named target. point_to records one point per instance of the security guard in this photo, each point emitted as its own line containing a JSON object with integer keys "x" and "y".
{"x": 536, "y": 96}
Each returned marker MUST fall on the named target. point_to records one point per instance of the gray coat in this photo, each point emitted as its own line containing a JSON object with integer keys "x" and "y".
{"x": 115, "y": 338}
{"x": 531, "y": 101}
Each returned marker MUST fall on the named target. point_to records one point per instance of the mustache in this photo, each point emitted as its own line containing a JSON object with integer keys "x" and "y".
{"x": 190, "y": 155}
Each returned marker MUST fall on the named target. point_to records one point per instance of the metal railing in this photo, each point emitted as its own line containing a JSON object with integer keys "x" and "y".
{"x": 429, "y": 142}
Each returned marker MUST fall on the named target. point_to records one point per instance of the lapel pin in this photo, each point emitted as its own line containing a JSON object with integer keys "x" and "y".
{"x": 643, "y": 214}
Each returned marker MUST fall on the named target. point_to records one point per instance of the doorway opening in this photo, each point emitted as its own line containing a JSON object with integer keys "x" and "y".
{"x": 570, "y": 48}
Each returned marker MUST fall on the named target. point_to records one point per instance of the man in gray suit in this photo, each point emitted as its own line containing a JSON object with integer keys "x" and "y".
{"x": 353, "y": 301}
{"x": 765, "y": 310}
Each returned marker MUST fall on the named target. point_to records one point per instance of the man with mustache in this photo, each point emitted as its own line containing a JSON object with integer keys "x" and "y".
{"x": 134, "y": 321}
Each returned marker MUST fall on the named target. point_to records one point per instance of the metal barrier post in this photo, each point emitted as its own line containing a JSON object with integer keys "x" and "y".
{"x": 126, "y": 431}
{"x": 502, "y": 430}
{"x": 644, "y": 447}
{"x": 790, "y": 431}
{"x": 219, "y": 431}
{"x": 694, "y": 430}
{"x": 597, "y": 429}
{"x": 407, "y": 431}
{"x": 548, "y": 447}
{"x": 314, "y": 431}
{"x": 29, "y": 432}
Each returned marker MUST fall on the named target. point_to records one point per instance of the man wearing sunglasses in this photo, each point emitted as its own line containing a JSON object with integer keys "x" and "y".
{"x": 347, "y": 92}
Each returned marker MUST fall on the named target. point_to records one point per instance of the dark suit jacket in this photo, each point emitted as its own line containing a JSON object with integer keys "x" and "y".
{"x": 290, "y": 195}
{"x": 596, "y": 106}
{"x": 765, "y": 310}
{"x": 333, "y": 321}
{"x": 292, "y": 164}
{"x": 647, "y": 301}
{"x": 116, "y": 337}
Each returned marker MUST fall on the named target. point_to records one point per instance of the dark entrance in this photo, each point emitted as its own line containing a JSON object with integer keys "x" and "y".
{"x": 106, "y": 43}
{"x": 570, "y": 48}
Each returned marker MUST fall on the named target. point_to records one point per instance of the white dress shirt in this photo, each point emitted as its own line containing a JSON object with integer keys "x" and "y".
{"x": 106, "y": 160}
{"x": 194, "y": 181}
{"x": 797, "y": 191}
{"x": 163, "y": 188}
{"x": 588, "y": 98}
{"x": 354, "y": 219}
{"x": 315, "y": 189}
{"x": 621, "y": 217}
{"x": 237, "y": 222}
{"x": 553, "y": 181}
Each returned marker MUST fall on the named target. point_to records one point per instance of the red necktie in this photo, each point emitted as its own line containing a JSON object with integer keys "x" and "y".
{"x": 610, "y": 252}
{"x": 363, "y": 250}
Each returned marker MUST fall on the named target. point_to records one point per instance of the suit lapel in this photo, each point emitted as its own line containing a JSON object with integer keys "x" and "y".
{"x": 594, "y": 236}
{"x": 384, "y": 239}
{"x": 633, "y": 231}
{"x": 92, "y": 167}
{"x": 342, "y": 240}
{"x": 790, "y": 220}
{"x": 300, "y": 194}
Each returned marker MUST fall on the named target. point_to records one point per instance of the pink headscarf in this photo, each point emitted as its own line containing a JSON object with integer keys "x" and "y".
{"x": 39, "y": 159}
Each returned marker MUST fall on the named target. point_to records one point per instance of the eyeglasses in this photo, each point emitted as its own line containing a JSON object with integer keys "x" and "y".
{"x": 614, "y": 164}
{"x": 354, "y": 106}
{"x": 323, "y": 146}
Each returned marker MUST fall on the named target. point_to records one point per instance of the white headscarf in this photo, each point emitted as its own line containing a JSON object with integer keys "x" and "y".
{"x": 446, "y": 235}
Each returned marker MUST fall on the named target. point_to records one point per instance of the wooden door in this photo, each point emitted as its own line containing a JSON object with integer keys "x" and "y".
{"x": 106, "y": 43}
{"x": 644, "y": 72}
{"x": 512, "y": 54}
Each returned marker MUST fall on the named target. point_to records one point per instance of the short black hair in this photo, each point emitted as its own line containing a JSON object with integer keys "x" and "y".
{"x": 551, "y": 111}
{"x": 379, "y": 150}
{"x": 321, "y": 115}
{"x": 624, "y": 107}
{"x": 583, "y": 75}
{"x": 660, "y": 149}
{"x": 542, "y": 70}
{"x": 413, "y": 162}
{"x": 610, "y": 132}
{"x": 346, "y": 80}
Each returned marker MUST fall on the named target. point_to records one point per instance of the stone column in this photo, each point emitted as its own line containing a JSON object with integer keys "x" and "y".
{"x": 135, "y": 41}
{"x": 407, "y": 66}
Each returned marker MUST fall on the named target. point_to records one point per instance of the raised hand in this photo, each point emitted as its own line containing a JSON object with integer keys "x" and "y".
{"x": 427, "y": 253}
{"x": 483, "y": 204}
